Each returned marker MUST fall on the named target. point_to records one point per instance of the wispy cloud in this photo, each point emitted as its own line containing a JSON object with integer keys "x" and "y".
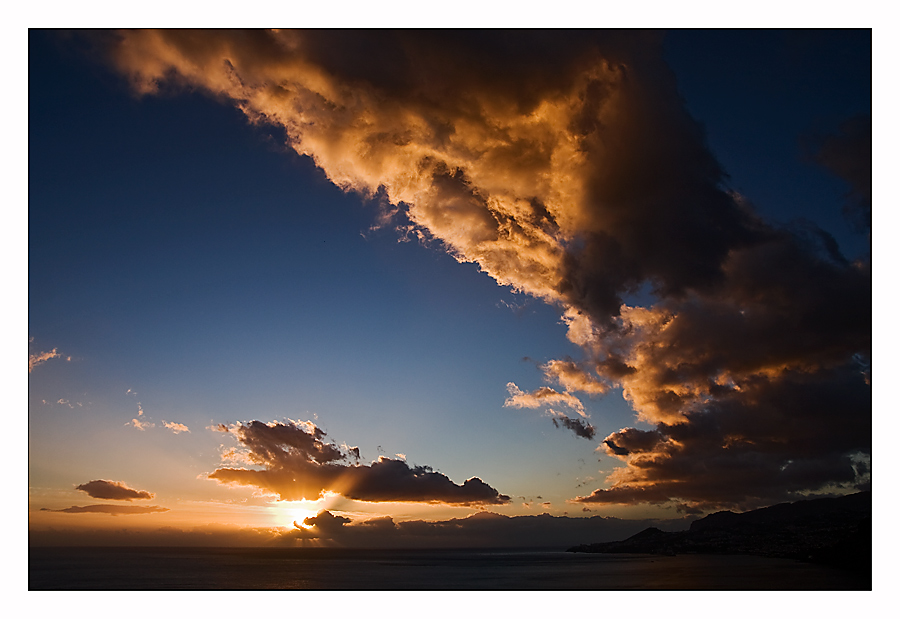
{"x": 566, "y": 166}
{"x": 298, "y": 464}
{"x": 36, "y": 359}
{"x": 140, "y": 422}
{"x": 543, "y": 396}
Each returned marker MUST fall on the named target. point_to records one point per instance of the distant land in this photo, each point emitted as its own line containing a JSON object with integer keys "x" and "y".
{"x": 833, "y": 531}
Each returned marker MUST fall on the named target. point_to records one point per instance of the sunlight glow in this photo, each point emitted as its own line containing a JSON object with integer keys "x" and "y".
{"x": 286, "y": 513}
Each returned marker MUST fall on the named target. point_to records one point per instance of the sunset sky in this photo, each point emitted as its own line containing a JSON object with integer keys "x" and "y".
{"x": 425, "y": 276}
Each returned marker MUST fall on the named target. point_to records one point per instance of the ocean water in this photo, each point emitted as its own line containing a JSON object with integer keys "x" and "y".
{"x": 359, "y": 570}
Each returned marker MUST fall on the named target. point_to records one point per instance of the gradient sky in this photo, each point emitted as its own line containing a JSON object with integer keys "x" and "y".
{"x": 597, "y": 274}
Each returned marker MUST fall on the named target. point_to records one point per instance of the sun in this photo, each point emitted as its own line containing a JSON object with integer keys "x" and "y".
{"x": 287, "y": 513}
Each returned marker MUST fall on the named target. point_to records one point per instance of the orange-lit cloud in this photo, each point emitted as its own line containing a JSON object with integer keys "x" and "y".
{"x": 177, "y": 428}
{"x": 37, "y": 359}
{"x": 572, "y": 377}
{"x": 139, "y": 423}
{"x": 566, "y": 167}
{"x": 543, "y": 396}
{"x": 298, "y": 464}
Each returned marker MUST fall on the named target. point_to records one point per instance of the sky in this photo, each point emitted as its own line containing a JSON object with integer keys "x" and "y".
{"x": 431, "y": 288}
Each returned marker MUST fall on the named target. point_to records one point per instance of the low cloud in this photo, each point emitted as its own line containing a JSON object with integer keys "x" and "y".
{"x": 297, "y": 464}
{"x": 482, "y": 530}
{"x": 112, "y": 510}
{"x": 112, "y": 490}
{"x": 324, "y": 524}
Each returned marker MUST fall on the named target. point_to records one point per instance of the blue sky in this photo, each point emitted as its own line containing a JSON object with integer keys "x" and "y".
{"x": 190, "y": 268}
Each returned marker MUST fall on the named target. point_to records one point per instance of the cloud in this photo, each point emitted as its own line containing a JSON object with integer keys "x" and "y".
{"x": 573, "y": 377}
{"x": 848, "y": 154}
{"x": 113, "y": 490}
{"x": 177, "y": 428}
{"x": 772, "y": 439}
{"x": 39, "y": 358}
{"x": 297, "y": 463}
{"x": 541, "y": 397}
{"x": 629, "y": 440}
{"x": 139, "y": 423}
{"x": 487, "y": 146}
{"x": 324, "y": 524}
{"x": 578, "y": 426}
{"x": 546, "y": 396}
{"x": 565, "y": 165}
{"x": 112, "y": 510}
{"x": 483, "y": 529}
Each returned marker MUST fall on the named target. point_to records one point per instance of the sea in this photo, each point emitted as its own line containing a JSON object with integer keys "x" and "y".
{"x": 251, "y": 569}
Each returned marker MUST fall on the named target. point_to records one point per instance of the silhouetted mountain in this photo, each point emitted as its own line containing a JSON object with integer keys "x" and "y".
{"x": 834, "y": 531}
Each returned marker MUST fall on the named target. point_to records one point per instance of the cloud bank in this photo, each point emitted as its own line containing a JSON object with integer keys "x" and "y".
{"x": 112, "y": 490}
{"x": 112, "y": 510}
{"x": 565, "y": 165}
{"x": 481, "y": 530}
{"x": 297, "y": 464}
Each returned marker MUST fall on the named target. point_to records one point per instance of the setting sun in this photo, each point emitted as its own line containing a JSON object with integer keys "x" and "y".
{"x": 293, "y": 513}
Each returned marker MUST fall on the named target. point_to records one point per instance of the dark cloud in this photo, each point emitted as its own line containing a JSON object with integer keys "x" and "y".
{"x": 113, "y": 510}
{"x": 484, "y": 529}
{"x": 848, "y": 154}
{"x": 767, "y": 443}
{"x": 579, "y": 426}
{"x": 758, "y": 392}
{"x": 630, "y": 440}
{"x": 323, "y": 524}
{"x": 570, "y": 170}
{"x": 112, "y": 490}
{"x": 298, "y": 463}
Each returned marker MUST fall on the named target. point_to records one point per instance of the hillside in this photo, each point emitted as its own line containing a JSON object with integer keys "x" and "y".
{"x": 832, "y": 531}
